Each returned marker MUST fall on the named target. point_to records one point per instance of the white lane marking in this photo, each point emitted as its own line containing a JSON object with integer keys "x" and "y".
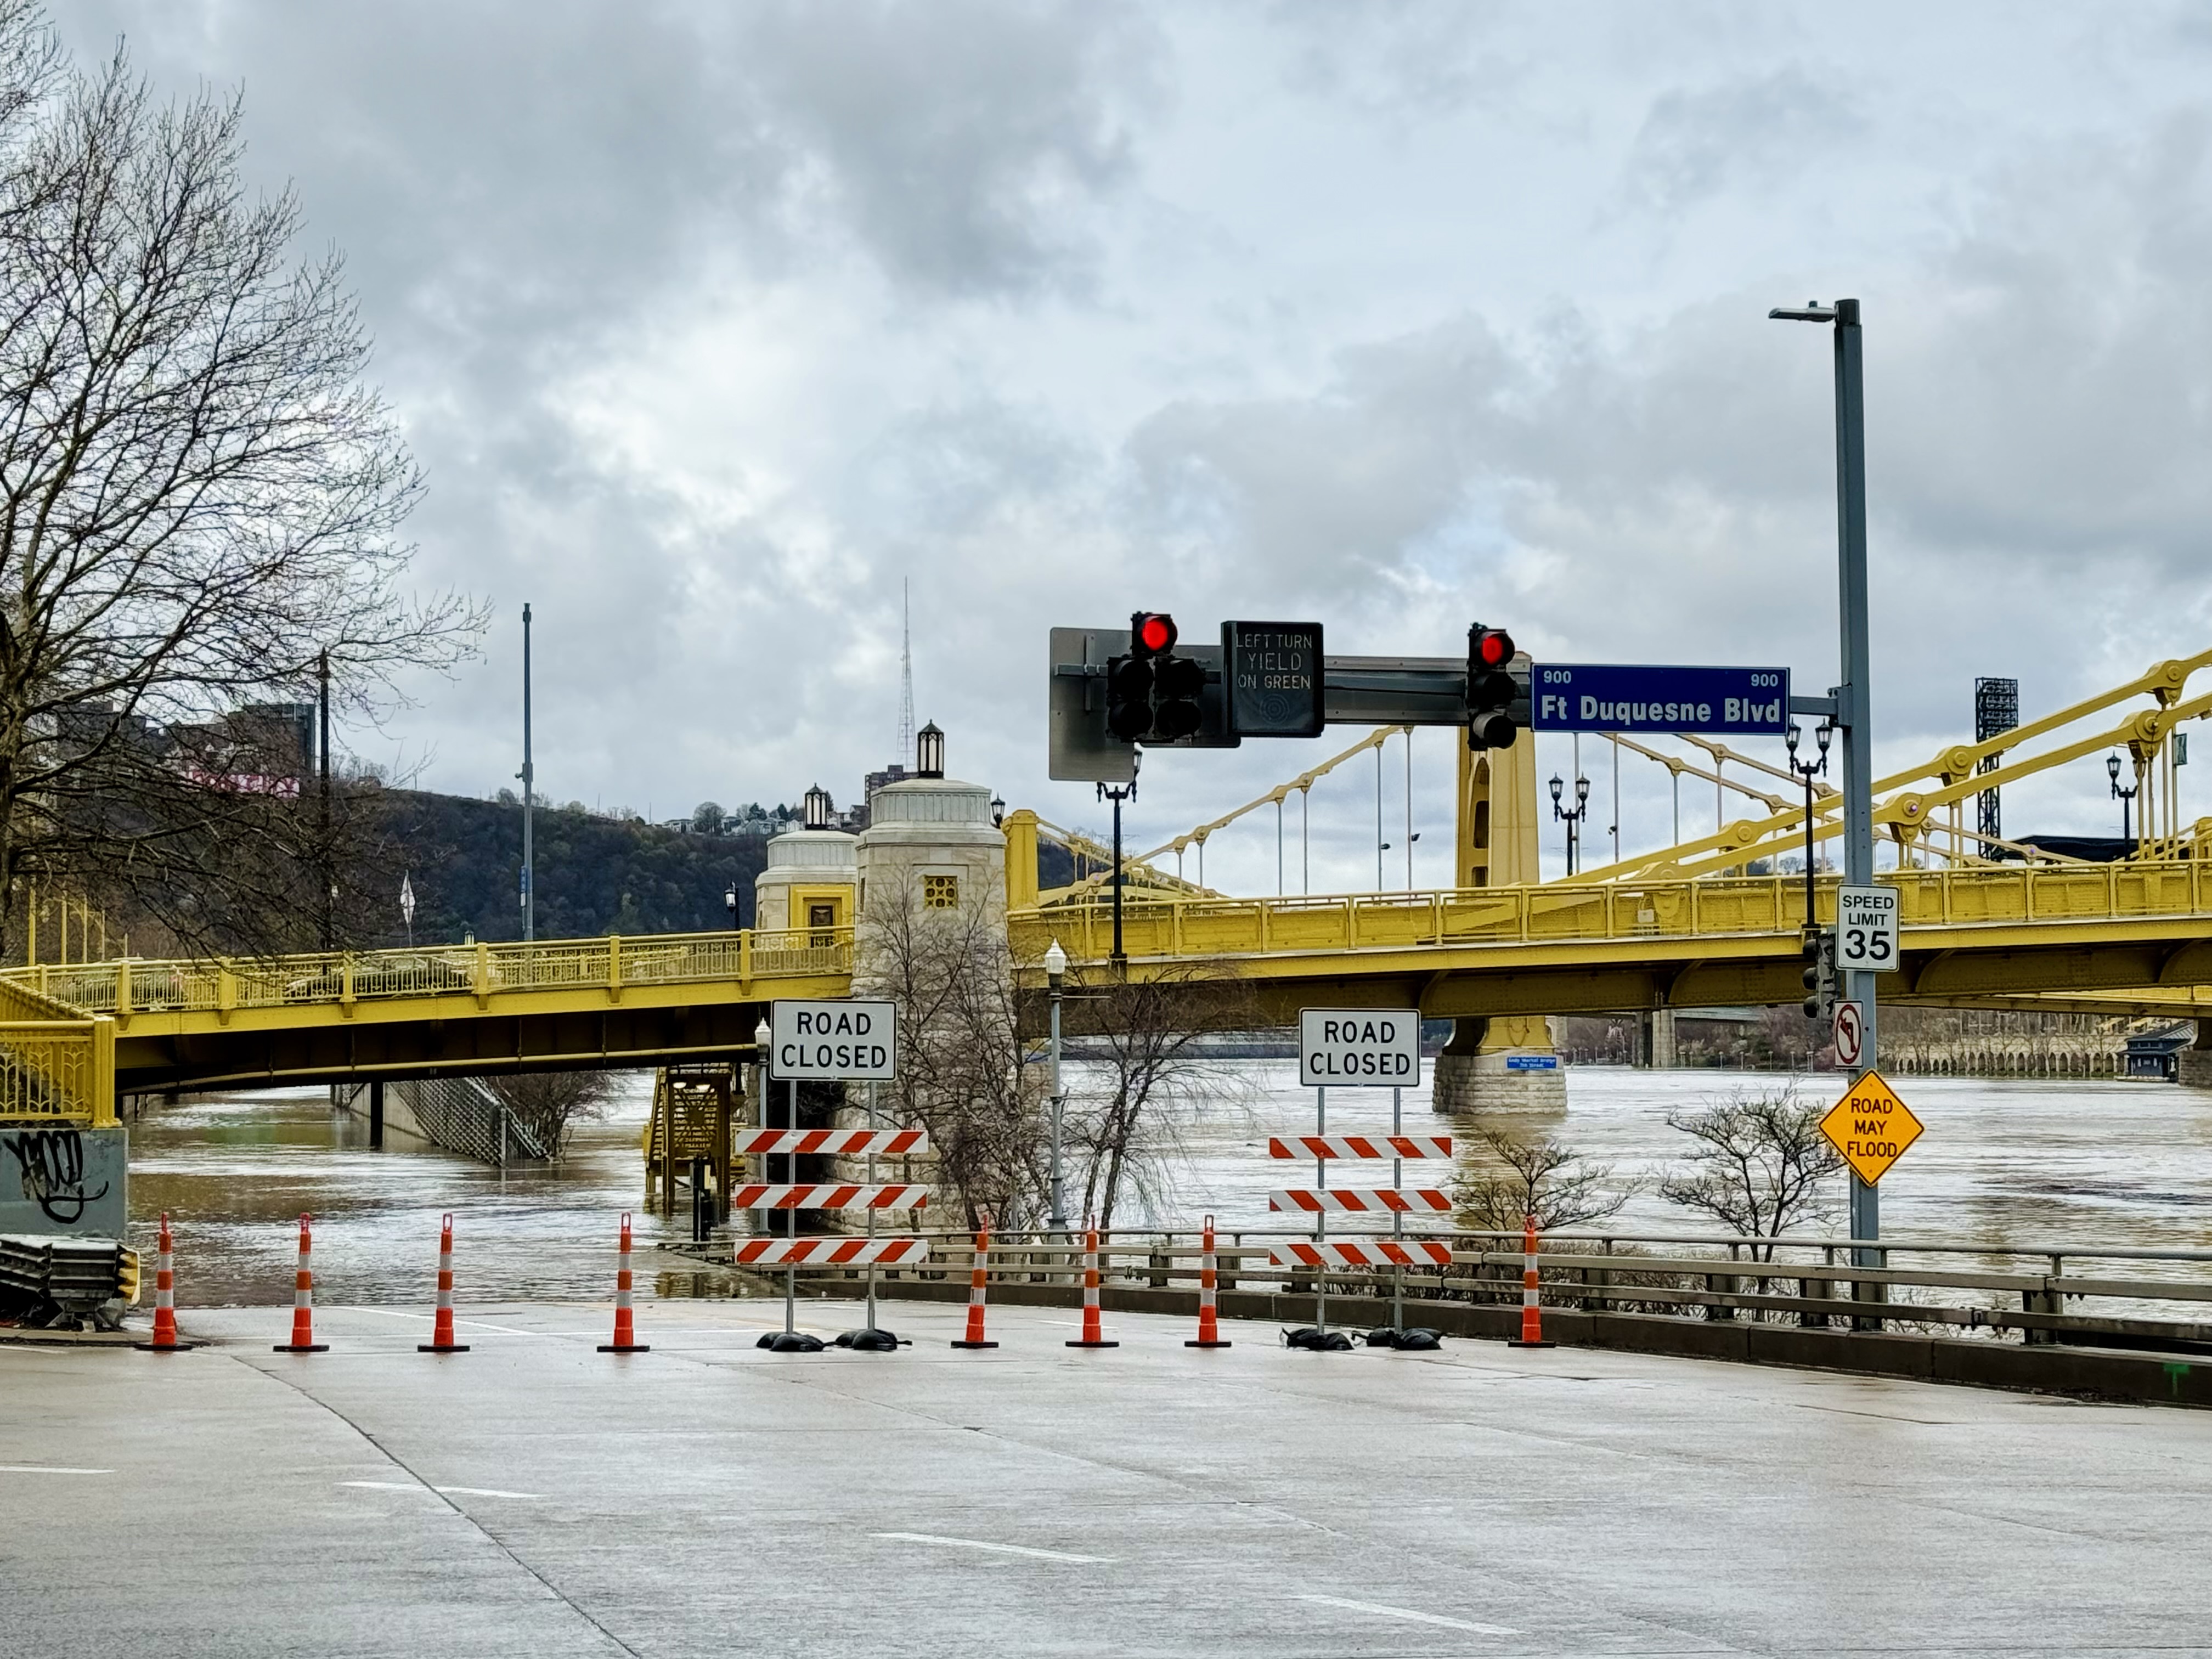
{"x": 46, "y": 1468}
{"x": 1001, "y": 1549}
{"x": 466, "y": 1492}
{"x": 1408, "y": 1613}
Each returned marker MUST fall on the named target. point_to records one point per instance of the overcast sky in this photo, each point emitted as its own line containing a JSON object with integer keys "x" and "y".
{"x": 709, "y": 325}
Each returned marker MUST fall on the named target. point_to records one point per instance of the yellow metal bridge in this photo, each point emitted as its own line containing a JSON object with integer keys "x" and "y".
{"x": 1985, "y": 923}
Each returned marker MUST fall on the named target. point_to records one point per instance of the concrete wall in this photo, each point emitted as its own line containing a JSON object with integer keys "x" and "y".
{"x": 60, "y": 1180}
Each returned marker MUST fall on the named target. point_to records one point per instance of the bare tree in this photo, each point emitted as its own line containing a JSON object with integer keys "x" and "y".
{"x": 1147, "y": 1034}
{"x": 1758, "y": 1163}
{"x": 961, "y": 1076}
{"x": 200, "y": 500}
{"x": 548, "y": 1105}
{"x": 1554, "y": 1182}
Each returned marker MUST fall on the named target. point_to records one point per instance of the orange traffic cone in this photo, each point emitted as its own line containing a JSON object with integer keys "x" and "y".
{"x": 1094, "y": 1335}
{"x": 165, "y": 1299}
{"x": 1209, "y": 1330}
{"x": 441, "y": 1333}
{"x": 976, "y": 1279}
{"x": 1532, "y": 1316}
{"x": 303, "y": 1301}
{"x": 625, "y": 1333}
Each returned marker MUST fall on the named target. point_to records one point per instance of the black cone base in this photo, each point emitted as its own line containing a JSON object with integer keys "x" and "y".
{"x": 625, "y": 1347}
{"x": 164, "y": 1347}
{"x": 1092, "y": 1345}
{"x": 1195, "y": 1343}
{"x": 1517, "y": 1343}
{"x": 433, "y": 1347}
{"x": 975, "y": 1344}
{"x": 299, "y": 1347}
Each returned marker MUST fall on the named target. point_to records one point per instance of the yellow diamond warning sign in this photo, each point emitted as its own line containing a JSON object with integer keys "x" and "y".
{"x": 1870, "y": 1127}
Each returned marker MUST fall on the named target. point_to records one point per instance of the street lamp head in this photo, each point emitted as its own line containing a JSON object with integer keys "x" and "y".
{"x": 1791, "y": 736}
{"x": 1582, "y": 791}
{"x": 1055, "y": 963}
{"x": 1558, "y": 785}
{"x": 1823, "y": 733}
{"x": 2112, "y": 768}
{"x": 999, "y": 812}
{"x": 762, "y": 1035}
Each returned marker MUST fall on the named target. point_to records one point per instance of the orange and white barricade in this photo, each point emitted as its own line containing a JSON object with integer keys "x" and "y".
{"x": 303, "y": 1298}
{"x": 1532, "y": 1292}
{"x": 1362, "y": 1201}
{"x": 164, "y": 1339}
{"x": 1094, "y": 1335}
{"x": 441, "y": 1330}
{"x": 978, "y": 1276}
{"x": 625, "y": 1320}
{"x": 1209, "y": 1326}
{"x": 792, "y": 1254}
{"x": 1360, "y": 1253}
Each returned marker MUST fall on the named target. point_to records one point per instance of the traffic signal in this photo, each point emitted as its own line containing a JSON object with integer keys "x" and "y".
{"x": 1819, "y": 975}
{"x": 1152, "y": 693}
{"x": 1491, "y": 689}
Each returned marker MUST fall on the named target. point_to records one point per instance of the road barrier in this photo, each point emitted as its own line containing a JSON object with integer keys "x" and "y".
{"x": 441, "y": 1333}
{"x": 1209, "y": 1326}
{"x": 625, "y": 1326}
{"x": 1360, "y": 1253}
{"x": 827, "y": 1196}
{"x": 1094, "y": 1335}
{"x": 1362, "y": 1201}
{"x": 979, "y": 1273}
{"x": 790, "y": 1254}
{"x": 830, "y": 1252}
{"x": 832, "y": 1143}
{"x": 303, "y": 1298}
{"x": 1532, "y": 1291}
{"x": 164, "y": 1339}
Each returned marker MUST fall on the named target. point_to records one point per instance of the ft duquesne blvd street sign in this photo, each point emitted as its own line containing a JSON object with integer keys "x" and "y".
{"x": 833, "y": 1042}
{"x": 1358, "y": 1048}
{"x": 1566, "y": 697}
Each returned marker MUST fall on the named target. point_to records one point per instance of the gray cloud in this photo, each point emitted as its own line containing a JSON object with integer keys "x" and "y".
{"x": 1760, "y": 129}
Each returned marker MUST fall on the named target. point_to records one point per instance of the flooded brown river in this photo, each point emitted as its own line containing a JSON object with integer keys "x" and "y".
{"x": 2069, "y": 1162}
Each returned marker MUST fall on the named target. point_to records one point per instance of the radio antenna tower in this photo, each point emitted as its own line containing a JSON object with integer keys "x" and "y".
{"x": 905, "y": 756}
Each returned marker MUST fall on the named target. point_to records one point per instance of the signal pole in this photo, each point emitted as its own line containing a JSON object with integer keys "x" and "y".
{"x": 1117, "y": 795}
{"x": 1853, "y": 699}
{"x": 529, "y": 799}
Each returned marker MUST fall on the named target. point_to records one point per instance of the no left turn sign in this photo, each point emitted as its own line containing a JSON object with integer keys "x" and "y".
{"x": 1851, "y": 1033}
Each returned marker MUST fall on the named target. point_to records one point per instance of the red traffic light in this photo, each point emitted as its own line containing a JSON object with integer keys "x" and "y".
{"x": 1493, "y": 647}
{"x": 1152, "y": 632}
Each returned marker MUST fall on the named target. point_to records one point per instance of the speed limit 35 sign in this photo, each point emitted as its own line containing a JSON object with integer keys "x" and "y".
{"x": 1866, "y": 929}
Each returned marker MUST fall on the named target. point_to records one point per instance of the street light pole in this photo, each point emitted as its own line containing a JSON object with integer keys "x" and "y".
{"x": 529, "y": 798}
{"x": 2125, "y": 797}
{"x": 1117, "y": 796}
{"x": 1854, "y": 697}
{"x": 1055, "y": 971}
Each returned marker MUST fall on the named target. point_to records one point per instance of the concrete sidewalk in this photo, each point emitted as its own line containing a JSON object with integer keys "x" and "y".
{"x": 535, "y": 1497}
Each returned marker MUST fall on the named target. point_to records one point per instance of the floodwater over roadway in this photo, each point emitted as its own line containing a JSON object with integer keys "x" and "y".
{"x": 2063, "y": 1161}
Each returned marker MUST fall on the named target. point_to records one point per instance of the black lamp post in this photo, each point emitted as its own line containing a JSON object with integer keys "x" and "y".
{"x": 2125, "y": 797}
{"x": 1808, "y": 769}
{"x": 1117, "y": 796}
{"x": 1571, "y": 816}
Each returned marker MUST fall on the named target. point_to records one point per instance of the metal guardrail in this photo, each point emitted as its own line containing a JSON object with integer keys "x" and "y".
{"x": 1709, "y": 1277}
{"x": 1571, "y": 913}
{"x": 485, "y": 971}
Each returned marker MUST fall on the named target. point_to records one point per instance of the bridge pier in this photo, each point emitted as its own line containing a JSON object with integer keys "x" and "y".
{"x": 1505, "y": 1063}
{"x": 2192, "y": 1067}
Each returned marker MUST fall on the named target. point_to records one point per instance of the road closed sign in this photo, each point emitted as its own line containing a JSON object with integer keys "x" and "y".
{"x": 1871, "y": 1127}
{"x": 833, "y": 1042}
{"x": 1359, "y": 1047}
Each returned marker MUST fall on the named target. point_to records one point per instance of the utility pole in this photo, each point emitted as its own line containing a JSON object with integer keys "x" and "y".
{"x": 529, "y": 799}
{"x": 1853, "y": 700}
{"x": 323, "y": 762}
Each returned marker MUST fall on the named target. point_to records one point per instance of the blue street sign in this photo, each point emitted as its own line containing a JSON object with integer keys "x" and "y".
{"x": 1657, "y": 697}
{"x": 1532, "y": 1062}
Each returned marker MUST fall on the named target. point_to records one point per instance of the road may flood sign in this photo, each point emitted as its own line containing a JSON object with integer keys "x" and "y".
{"x": 833, "y": 1042}
{"x": 1564, "y": 696}
{"x": 1866, "y": 929}
{"x": 1870, "y": 1127}
{"x": 1359, "y": 1047}
{"x": 1275, "y": 671}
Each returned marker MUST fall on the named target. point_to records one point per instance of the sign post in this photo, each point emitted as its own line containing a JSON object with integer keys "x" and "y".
{"x": 1356, "y": 1048}
{"x": 829, "y": 1040}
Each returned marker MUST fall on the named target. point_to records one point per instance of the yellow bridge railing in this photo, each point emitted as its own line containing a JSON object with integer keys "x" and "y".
{"x": 1602, "y": 912}
{"x": 342, "y": 978}
{"x": 56, "y": 1063}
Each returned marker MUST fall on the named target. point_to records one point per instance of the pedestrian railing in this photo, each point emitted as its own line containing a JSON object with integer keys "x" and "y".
{"x": 2034, "y": 1293}
{"x": 56, "y": 1064}
{"x": 222, "y": 986}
